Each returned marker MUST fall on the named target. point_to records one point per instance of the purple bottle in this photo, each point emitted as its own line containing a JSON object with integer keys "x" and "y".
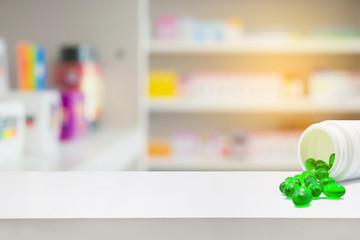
{"x": 74, "y": 123}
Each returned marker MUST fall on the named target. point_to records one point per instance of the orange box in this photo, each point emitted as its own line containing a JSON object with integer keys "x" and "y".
{"x": 24, "y": 66}
{"x": 159, "y": 148}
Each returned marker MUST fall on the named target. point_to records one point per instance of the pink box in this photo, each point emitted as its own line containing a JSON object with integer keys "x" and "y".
{"x": 166, "y": 27}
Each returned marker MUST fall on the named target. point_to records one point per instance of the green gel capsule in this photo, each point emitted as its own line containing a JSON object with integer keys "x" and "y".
{"x": 310, "y": 181}
{"x": 302, "y": 196}
{"x": 319, "y": 162}
{"x": 310, "y": 177}
{"x": 321, "y": 173}
{"x": 322, "y": 165}
{"x": 310, "y": 164}
{"x": 331, "y": 160}
{"x": 304, "y": 188}
{"x": 334, "y": 190}
{"x": 316, "y": 189}
{"x": 293, "y": 179}
{"x": 300, "y": 179}
{"x": 284, "y": 184}
{"x": 290, "y": 188}
{"x": 308, "y": 173}
{"x": 326, "y": 181}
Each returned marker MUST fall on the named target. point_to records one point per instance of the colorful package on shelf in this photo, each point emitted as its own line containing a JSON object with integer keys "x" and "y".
{"x": 233, "y": 86}
{"x": 334, "y": 86}
{"x": 74, "y": 123}
{"x": 3, "y": 68}
{"x": 189, "y": 29}
{"x": 233, "y": 29}
{"x": 159, "y": 148}
{"x": 185, "y": 146}
{"x": 79, "y": 70}
{"x": 293, "y": 87}
{"x": 186, "y": 28}
{"x": 31, "y": 65}
{"x": 239, "y": 149}
{"x": 275, "y": 146}
{"x": 12, "y": 133}
{"x": 166, "y": 27}
{"x": 163, "y": 83}
{"x": 218, "y": 147}
{"x": 207, "y": 31}
{"x": 191, "y": 147}
{"x": 43, "y": 118}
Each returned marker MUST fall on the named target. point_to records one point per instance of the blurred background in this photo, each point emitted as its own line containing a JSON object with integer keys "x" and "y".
{"x": 172, "y": 85}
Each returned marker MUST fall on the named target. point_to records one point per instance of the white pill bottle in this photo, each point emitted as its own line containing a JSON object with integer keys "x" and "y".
{"x": 341, "y": 137}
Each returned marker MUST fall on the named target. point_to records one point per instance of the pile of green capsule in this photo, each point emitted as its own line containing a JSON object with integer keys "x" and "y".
{"x": 310, "y": 184}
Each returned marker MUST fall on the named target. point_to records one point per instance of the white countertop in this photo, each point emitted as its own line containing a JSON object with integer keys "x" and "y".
{"x": 59, "y": 195}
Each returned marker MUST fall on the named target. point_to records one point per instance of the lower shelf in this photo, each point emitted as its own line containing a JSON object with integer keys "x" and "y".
{"x": 234, "y": 106}
{"x": 166, "y": 164}
{"x": 106, "y": 150}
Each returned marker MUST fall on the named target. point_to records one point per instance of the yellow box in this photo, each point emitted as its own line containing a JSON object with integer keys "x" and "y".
{"x": 8, "y": 133}
{"x": 163, "y": 83}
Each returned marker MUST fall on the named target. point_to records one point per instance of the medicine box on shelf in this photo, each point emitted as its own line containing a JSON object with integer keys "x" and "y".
{"x": 43, "y": 118}
{"x": 12, "y": 132}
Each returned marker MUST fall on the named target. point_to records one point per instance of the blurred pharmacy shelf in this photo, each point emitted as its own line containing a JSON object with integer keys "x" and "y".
{"x": 168, "y": 164}
{"x": 326, "y": 43}
{"x": 106, "y": 150}
{"x": 302, "y": 106}
{"x": 311, "y": 46}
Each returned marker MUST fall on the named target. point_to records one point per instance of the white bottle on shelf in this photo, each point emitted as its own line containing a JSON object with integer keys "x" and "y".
{"x": 43, "y": 118}
{"x": 12, "y": 134}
